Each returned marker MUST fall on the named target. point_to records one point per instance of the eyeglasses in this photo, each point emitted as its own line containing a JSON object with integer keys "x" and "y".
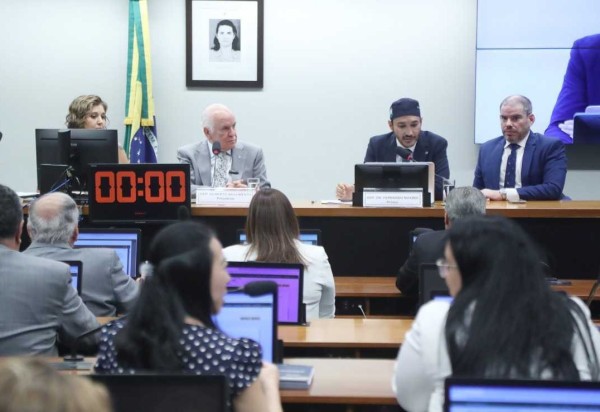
{"x": 443, "y": 267}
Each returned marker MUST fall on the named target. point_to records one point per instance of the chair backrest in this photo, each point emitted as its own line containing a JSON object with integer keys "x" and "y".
{"x": 416, "y": 232}
{"x": 166, "y": 393}
{"x": 431, "y": 285}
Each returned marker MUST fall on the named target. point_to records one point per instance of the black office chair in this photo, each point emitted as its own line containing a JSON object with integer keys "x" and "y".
{"x": 166, "y": 393}
{"x": 416, "y": 232}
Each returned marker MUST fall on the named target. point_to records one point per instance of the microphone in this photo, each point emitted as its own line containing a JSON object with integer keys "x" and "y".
{"x": 407, "y": 155}
{"x": 258, "y": 288}
{"x": 0, "y": 135}
{"x": 363, "y": 312}
{"x": 216, "y": 148}
{"x": 183, "y": 213}
{"x": 592, "y": 294}
{"x": 73, "y": 356}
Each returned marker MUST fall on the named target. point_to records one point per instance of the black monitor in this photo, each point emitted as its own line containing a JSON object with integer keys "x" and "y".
{"x": 125, "y": 243}
{"x": 407, "y": 175}
{"x": 86, "y": 146}
{"x": 166, "y": 392}
{"x": 431, "y": 284}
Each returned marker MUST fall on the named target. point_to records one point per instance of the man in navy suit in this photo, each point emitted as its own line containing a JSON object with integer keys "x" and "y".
{"x": 520, "y": 164}
{"x": 414, "y": 144}
{"x": 581, "y": 87}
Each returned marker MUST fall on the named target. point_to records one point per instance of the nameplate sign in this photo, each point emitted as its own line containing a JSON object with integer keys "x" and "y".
{"x": 392, "y": 198}
{"x": 224, "y": 196}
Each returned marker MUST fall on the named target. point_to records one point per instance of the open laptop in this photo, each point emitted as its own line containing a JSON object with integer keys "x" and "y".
{"x": 431, "y": 284}
{"x": 308, "y": 236}
{"x": 76, "y": 268}
{"x": 486, "y": 395}
{"x": 125, "y": 242}
{"x": 289, "y": 278}
{"x": 255, "y": 317}
{"x": 166, "y": 392}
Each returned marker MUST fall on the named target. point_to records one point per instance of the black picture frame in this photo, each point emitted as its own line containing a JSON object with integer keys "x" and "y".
{"x": 239, "y": 62}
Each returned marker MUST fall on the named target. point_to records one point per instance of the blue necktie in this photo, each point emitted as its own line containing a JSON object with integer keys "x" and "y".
{"x": 511, "y": 166}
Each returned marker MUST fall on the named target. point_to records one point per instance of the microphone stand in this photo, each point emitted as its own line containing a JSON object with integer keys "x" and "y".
{"x": 592, "y": 294}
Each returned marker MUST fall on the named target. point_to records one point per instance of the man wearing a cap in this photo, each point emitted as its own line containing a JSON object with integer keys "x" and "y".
{"x": 406, "y": 135}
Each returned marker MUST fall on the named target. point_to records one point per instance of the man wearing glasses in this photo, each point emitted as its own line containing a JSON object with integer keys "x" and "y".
{"x": 429, "y": 246}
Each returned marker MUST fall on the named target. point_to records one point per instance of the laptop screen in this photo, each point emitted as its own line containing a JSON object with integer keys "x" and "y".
{"x": 253, "y": 317}
{"x": 166, "y": 392}
{"x": 289, "y": 279}
{"x": 307, "y": 236}
{"x": 126, "y": 242}
{"x": 466, "y": 395}
{"x": 75, "y": 267}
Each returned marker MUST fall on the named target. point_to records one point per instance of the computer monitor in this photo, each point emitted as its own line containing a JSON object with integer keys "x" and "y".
{"x": 76, "y": 269}
{"x": 126, "y": 242}
{"x": 252, "y": 317}
{"x": 87, "y": 146}
{"x": 166, "y": 392}
{"x": 431, "y": 284}
{"x": 490, "y": 395}
{"x": 407, "y": 175}
{"x": 289, "y": 278}
{"x": 586, "y": 128}
{"x": 307, "y": 236}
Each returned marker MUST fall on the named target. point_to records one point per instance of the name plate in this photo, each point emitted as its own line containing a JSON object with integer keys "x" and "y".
{"x": 392, "y": 198}
{"x": 224, "y": 196}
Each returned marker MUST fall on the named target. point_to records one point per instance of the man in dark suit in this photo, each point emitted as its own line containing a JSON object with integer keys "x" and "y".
{"x": 52, "y": 226}
{"x": 37, "y": 302}
{"x": 406, "y": 142}
{"x": 429, "y": 246}
{"x": 235, "y": 161}
{"x": 520, "y": 164}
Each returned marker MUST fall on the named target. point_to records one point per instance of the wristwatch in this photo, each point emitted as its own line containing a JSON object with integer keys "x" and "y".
{"x": 503, "y": 194}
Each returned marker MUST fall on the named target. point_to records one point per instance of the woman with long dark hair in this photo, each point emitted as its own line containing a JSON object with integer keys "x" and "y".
{"x": 226, "y": 43}
{"x": 272, "y": 231}
{"x": 505, "y": 321}
{"x": 171, "y": 328}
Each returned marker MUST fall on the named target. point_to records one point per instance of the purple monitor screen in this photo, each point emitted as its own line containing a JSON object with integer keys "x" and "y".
{"x": 289, "y": 279}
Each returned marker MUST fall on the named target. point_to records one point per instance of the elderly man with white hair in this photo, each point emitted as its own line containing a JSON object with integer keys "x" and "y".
{"x": 52, "y": 226}
{"x": 221, "y": 160}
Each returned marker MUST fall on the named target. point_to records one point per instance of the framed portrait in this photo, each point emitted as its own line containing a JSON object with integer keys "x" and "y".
{"x": 224, "y": 43}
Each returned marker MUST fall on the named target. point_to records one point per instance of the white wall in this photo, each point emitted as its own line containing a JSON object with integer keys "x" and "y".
{"x": 331, "y": 69}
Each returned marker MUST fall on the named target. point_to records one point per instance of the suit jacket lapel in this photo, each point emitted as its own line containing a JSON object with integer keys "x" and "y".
{"x": 421, "y": 153}
{"x": 528, "y": 158}
{"x": 237, "y": 160}
{"x": 497, "y": 161}
{"x": 204, "y": 162}
{"x": 389, "y": 153}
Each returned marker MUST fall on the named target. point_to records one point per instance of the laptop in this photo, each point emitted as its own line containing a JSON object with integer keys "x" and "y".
{"x": 166, "y": 392}
{"x": 307, "y": 236}
{"x": 431, "y": 284}
{"x": 76, "y": 269}
{"x": 125, "y": 242}
{"x": 289, "y": 278}
{"x": 255, "y": 317}
{"x": 487, "y": 395}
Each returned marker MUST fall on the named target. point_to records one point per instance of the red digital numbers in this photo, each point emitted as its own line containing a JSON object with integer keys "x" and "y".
{"x": 122, "y": 186}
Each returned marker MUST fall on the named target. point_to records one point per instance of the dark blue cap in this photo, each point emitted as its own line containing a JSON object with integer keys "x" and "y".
{"x": 405, "y": 107}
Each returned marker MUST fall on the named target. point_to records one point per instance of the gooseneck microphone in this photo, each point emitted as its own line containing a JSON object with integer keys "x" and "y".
{"x": 0, "y": 135}
{"x": 592, "y": 294}
{"x": 258, "y": 288}
{"x": 407, "y": 155}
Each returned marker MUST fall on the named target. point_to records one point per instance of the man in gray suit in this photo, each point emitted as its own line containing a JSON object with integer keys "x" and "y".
{"x": 52, "y": 226}
{"x": 229, "y": 165}
{"x": 37, "y": 302}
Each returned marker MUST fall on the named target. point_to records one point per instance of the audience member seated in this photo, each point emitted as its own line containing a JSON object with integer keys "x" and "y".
{"x": 37, "y": 303}
{"x": 428, "y": 247}
{"x": 171, "y": 328}
{"x": 232, "y": 163}
{"x": 520, "y": 164}
{"x": 273, "y": 232}
{"x": 52, "y": 226}
{"x": 407, "y": 137}
{"x": 31, "y": 385}
{"x": 505, "y": 321}
{"x": 89, "y": 112}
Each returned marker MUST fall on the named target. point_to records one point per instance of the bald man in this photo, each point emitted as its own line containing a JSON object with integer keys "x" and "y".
{"x": 232, "y": 164}
{"x": 52, "y": 226}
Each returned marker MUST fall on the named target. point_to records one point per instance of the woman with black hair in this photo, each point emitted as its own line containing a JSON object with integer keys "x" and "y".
{"x": 171, "y": 328}
{"x": 226, "y": 43}
{"x": 505, "y": 321}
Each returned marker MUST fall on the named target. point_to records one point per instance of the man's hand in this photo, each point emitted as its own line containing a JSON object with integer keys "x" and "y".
{"x": 237, "y": 184}
{"x": 567, "y": 127}
{"x": 492, "y": 194}
{"x": 343, "y": 191}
